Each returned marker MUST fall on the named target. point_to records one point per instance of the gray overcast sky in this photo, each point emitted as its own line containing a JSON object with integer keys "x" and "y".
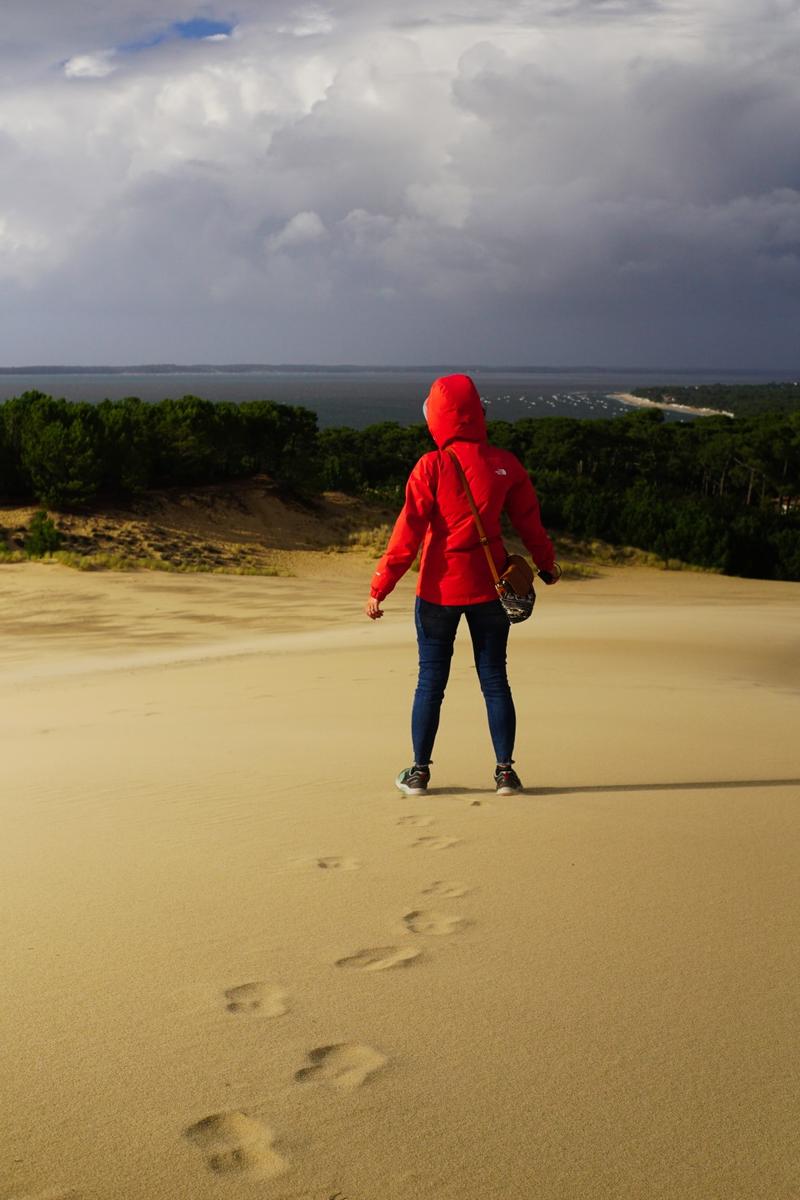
{"x": 537, "y": 181}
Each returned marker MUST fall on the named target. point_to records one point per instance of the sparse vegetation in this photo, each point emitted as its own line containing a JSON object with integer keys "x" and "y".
{"x": 43, "y": 536}
{"x": 120, "y": 562}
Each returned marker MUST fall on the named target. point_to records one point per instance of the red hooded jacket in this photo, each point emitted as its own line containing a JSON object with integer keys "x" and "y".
{"x": 454, "y": 569}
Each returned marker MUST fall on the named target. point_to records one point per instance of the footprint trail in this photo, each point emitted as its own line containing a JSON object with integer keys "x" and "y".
{"x": 380, "y": 958}
{"x": 262, "y": 998}
{"x": 336, "y": 863}
{"x": 446, "y": 890}
{"x": 233, "y": 1143}
{"x": 436, "y": 842}
{"x": 345, "y": 1066}
{"x": 434, "y": 924}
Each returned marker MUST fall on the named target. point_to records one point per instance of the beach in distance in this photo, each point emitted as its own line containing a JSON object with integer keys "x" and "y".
{"x": 238, "y": 963}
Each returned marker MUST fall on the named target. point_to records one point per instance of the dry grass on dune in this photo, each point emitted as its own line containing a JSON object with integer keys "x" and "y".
{"x": 249, "y": 528}
{"x": 242, "y": 528}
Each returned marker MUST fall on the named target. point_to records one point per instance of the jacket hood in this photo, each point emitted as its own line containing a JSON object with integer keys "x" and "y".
{"x": 454, "y": 410}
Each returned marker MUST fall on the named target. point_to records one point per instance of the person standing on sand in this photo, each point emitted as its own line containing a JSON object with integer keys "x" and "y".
{"x": 454, "y": 576}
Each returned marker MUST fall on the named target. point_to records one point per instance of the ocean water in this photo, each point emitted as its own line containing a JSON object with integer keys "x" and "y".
{"x": 363, "y": 397}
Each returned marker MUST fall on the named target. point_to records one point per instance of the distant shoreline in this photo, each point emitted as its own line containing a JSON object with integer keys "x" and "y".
{"x": 323, "y": 369}
{"x": 640, "y": 402}
{"x": 245, "y": 368}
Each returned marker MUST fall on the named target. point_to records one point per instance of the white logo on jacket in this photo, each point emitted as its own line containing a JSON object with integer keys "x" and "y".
{"x": 501, "y": 471}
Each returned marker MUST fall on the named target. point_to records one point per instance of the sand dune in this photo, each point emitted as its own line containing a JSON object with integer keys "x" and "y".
{"x": 238, "y": 963}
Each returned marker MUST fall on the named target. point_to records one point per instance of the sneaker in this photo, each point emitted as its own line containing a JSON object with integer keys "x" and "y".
{"x": 413, "y": 780}
{"x": 506, "y": 780}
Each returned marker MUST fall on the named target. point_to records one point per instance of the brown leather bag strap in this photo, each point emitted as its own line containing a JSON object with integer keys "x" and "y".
{"x": 478, "y": 522}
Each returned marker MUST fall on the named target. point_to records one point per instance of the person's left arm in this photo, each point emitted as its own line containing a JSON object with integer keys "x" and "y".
{"x": 522, "y": 506}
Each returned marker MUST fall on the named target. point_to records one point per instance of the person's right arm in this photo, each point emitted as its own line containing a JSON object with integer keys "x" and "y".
{"x": 522, "y": 506}
{"x": 409, "y": 529}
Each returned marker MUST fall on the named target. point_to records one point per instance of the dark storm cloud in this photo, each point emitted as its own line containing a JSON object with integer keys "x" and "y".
{"x": 582, "y": 180}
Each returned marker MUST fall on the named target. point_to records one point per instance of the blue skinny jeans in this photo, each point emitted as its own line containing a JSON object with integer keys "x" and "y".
{"x": 436, "y": 633}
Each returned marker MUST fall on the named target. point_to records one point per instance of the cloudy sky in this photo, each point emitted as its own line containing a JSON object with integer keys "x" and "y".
{"x": 399, "y": 181}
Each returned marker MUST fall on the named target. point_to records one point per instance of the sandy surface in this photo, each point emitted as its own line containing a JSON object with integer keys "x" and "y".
{"x": 586, "y": 991}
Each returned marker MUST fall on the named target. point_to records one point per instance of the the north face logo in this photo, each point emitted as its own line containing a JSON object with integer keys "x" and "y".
{"x": 501, "y": 471}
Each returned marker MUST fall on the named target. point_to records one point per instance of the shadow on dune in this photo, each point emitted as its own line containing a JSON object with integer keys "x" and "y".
{"x": 701, "y": 785}
{"x": 706, "y": 785}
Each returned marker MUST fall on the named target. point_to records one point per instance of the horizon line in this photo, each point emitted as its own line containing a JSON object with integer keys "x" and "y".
{"x": 172, "y": 367}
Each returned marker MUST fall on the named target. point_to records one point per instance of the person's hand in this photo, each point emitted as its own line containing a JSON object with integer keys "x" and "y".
{"x": 551, "y": 577}
{"x": 373, "y": 609}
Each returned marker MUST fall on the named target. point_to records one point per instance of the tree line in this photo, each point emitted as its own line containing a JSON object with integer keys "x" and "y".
{"x": 61, "y": 453}
{"x": 712, "y": 492}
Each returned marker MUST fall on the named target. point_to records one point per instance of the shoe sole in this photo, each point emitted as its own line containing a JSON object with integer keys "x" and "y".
{"x": 402, "y": 787}
{"x": 508, "y": 791}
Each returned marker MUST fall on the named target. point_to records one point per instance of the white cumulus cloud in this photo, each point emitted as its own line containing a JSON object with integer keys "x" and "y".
{"x": 90, "y": 66}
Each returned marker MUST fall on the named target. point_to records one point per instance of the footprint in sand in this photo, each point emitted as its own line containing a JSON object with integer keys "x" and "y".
{"x": 415, "y": 820}
{"x": 446, "y": 890}
{"x": 434, "y": 924}
{"x": 335, "y": 863}
{"x": 69, "y": 1194}
{"x": 263, "y": 998}
{"x": 233, "y": 1143}
{"x": 346, "y": 1065}
{"x": 380, "y": 958}
{"x": 433, "y": 842}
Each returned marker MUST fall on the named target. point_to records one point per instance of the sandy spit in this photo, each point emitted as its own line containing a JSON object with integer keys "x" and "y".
{"x": 641, "y": 402}
{"x": 237, "y": 963}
